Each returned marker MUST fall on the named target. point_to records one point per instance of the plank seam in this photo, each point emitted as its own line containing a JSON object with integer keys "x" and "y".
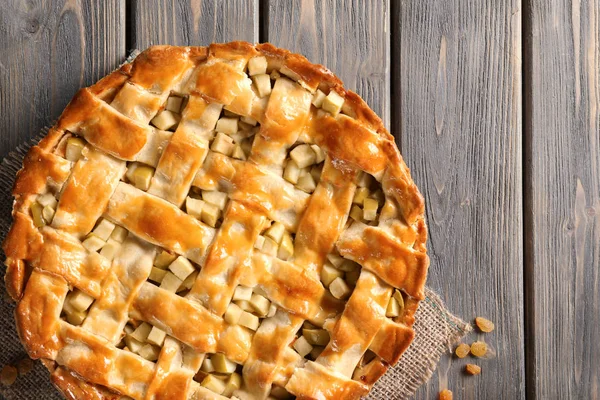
{"x": 129, "y": 26}
{"x": 527, "y": 199}
{"x": 263, "y": 21}
{"x": 395, "y": 78}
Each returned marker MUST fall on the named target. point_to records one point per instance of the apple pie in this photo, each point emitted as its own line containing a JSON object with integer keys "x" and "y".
{"x": 216, "y": 222}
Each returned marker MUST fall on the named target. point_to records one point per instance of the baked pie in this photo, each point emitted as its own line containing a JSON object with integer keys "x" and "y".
{"x": 216, "y": 222}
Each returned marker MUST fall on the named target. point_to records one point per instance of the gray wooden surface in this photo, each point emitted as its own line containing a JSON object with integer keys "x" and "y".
{"x": 48, "y": 50}
{"x": 193, "y": 22}
{"x": 458, "y": 75}
{"x": 496, "y": 107}
{"x": 563, "y": 199}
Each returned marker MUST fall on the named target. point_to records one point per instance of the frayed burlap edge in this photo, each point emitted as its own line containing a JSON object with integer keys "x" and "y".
{"x": 36, "y": 384}
{"x": 436, "y": 329}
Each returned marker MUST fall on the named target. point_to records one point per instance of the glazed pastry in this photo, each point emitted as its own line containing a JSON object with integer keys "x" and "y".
{"x": 216, "y": 222}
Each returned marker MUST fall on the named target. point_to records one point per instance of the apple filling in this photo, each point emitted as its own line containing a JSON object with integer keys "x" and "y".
{"x": 332, "y": 102}
{"x": 310, "y": 341}
{"x": 106, "y": 238}
{"x": 43, "y": 209}
{"x": 340, "y": 275}
{"x": 277, "y": 392}
{"x": 262, "y": 81}
{"x": 76, "y": 306}
{"x": 362, "y": 365}
{"x": 234, "y": 135}
{"x": 168, "y": 118}
{"x": 139, "y": 175}
{"x": 396, "y": 306}
{"x": 73, "y": 148}
{"x": 275, "y": 241}
{"x": 257, "y": 66}
{"x": 173, "y": 273}
{"x": 142, "y": 339}
{"x": 304, "y": 166}
{"x": 368, "y": 201}
{"x": 219, "y": 374}
{"x": 207, "y": 205}
{"x": 248, "y": 307}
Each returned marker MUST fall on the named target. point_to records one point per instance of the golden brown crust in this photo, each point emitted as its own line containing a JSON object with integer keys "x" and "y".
{"x": 370, "y": 373}
{"x": 74, "y": 388}
{"x": 231, "y": 243}
{"x": 144, "y": 215}
{"x": 107, "y": 87}
{"x": 37, "y": 316}
{"x": 100, "y": 125}
{"x": 391, "y": 341}
{"x": 41, "y": 167}
{"x": 317, "y": 382}
{"x": 312, "y": 75}
{"x": 159, "y": 67}
{"x": 55, "y": 252}
{"x": 45, "y": 263}
{"x": 394, "y": 262}
{"x": 14, "y": 279}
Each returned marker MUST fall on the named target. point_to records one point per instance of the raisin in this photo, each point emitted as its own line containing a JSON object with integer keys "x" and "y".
{"x": 462, "y": 350}
{"x": 478, "y": 349}
{"x": 8, "y": 375}
{"x": 445, "y": 395}
{"x": 484, "y": 325}
{"x": 473, "y": 369}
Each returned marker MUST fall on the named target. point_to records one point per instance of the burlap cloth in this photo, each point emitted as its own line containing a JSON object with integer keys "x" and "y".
{"x": 436, "y": 329}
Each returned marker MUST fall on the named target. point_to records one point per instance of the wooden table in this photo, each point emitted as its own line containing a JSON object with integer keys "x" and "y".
{"x": 496, "y": 107}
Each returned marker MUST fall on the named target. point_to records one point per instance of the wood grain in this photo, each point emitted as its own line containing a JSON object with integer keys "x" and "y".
{"x": 193, "y": 22}
{"x": 350, "y": 37}
{"x": 49, "y": 49}
{"x": 563, "y": 186}
{"x": 457, "y": 87}
{"x": 446, "y": 77}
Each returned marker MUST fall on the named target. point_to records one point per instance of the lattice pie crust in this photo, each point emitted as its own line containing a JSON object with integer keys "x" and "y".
{"x": 216, "y": 222}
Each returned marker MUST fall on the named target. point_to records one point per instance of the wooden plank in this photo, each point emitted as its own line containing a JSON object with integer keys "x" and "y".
{"x": 49, "y": 50}
{"x": 193, "y": 22}
{"x": 457, "y": 86}
{"x": 563, "y": 232}
{"x": 350, "y": 37}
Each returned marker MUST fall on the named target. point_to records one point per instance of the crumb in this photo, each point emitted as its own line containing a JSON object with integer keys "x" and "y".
{"x": 25, "y": 366}
{"x": 445, "y": 395}
{"x": 462, "y": 350}
{"x": 479, "y": 349}
{"x": 473, "y": 369}
{"x": 484, "y": 325}
{"x": 8, "y": 375}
